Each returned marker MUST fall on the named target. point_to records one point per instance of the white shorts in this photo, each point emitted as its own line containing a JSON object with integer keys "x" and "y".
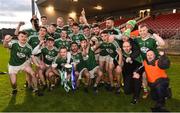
{"x": 97, "y": 57}
{"x": 37, "y": 59}
{"x": 103, "y": 58}
{"x": 92, "y": 72}
{"x": 109, "y": 59}
{"x": 16, "y": 69}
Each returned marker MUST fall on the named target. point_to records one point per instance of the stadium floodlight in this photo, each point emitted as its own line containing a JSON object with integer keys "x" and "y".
{"x": 174, "y": 10}
{"x": 148, "y": 10}
{"x": 50, "y": 9}
{"x": 98, "y": 7}
{"x": 72, "y": 14}
{"x": 74, "y": 0}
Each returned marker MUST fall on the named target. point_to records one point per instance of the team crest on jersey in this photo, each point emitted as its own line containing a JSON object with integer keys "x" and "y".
{"x": 109, "y": 51}
{"x": 51, "y": 52}
{"x": 21, "y": 55}
{"x": 36, "y": 42}
{"x": 76, "y": 60}
{"x": 86, "y": 57}
{"x": 147, "y": 42}
{"x": 48, "y": 57}
{"x": 144, "y": 49}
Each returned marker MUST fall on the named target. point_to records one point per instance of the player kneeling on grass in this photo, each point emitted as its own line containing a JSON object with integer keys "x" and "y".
{"x": 88, "y": 66}
{"x": 61, "y": 66}
{"x": 113, "y": 50}
{"x": 48, "y": 53}
{"x": 157, "y": 78}
{"x": 76, "y": 56}
{"x": 19, "y": 60}
{"x": 103, "y": 54}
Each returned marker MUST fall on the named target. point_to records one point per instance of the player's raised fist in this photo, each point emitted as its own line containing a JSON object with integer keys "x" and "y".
{"x": 7, "y": 38}
{"x": 21, "y": 23}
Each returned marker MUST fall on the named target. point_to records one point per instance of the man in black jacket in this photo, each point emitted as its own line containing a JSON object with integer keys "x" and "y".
{"x": 132, "y": 71}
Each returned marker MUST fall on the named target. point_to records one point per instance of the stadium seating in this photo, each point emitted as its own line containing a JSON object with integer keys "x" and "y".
{"x": 116, "y": 22}
{"x": 166, "y": 25}
{"x": 121, "y": 21}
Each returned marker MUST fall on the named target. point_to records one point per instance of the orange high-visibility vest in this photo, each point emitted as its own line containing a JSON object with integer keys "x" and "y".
{"x": 154, "y": 72}
{"x": 134, "y": 34}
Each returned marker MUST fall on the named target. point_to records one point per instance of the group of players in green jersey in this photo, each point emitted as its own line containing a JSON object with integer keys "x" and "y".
{"x": 111, "y": 56}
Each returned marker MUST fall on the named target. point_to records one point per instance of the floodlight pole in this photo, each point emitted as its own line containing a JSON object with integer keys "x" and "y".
{"x": 33, "y": 7}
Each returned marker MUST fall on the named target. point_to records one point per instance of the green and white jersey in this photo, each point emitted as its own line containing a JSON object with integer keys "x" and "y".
{"x": 59, "y": 43}
{"x": 33, "y": 41}
{"x": 138, "y": 58}
{"x": 49, "y": 55}
{"x": 47, "y": 36}
{"x": 88, "y": 61}
{"x": 116, "y": 32}
{"x": 109, "y": 48}
{"x": 54, "y": 35}
{"x": 59, "y": 62}
{"x": 19, "y": 54}
{"x": 68, "y": 29}
{"x": 99, "y": 39}
{"x": 77, "y": 38}
{"x": 81, "y": 27}
{"x": 76, "y": 57}
{"x": 103, "y": 46}
{"x": 145, "y": 45}
{"x": 59, "y": 29}
{"x": 112, "y": 49}
{"x": 88, "y": 37}
{"x": 31, "y": 32}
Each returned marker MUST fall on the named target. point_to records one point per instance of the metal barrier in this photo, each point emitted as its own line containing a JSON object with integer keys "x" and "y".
{"x": 172, "y": 42}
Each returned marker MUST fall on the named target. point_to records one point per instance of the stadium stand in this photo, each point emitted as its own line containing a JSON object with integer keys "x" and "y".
{"x": 166, "y": 25}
